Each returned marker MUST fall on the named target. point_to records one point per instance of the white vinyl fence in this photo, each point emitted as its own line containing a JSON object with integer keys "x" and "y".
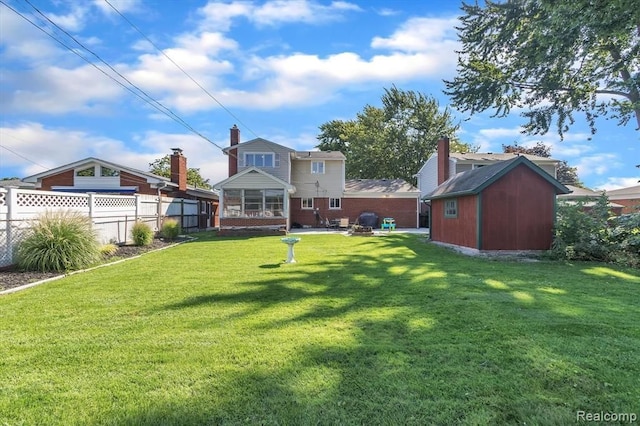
{"x": 112, "y": 216}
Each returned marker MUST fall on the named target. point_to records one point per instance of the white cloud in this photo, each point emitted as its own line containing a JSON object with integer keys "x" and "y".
{"x": 618, "y": 182}
{"x": 421, "y": 35}
{"x": 385, "y": 11}
{"x": 122, "y": 5}
{"x": 74, "y": 20}
{"x": 55, "y": 90}
{"x": 220, "y": 16}
{"x": 597, "y": 164}
{"x": 33, "y": 148}
{"x": 51, "y": 148}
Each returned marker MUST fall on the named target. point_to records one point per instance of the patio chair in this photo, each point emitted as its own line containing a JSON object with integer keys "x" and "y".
{"x": 388, "y": 223}
{"x": 344, "y": 223}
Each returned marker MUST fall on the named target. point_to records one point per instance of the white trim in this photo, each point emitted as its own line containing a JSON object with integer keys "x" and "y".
{"x": 324, "y": 167}
{"x": 302, "y": 207}
{"x": 339, "y": 202}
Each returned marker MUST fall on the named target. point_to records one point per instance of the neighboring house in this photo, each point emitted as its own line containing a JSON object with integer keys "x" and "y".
{"x": 629, "y": 198}
{"x": 272, "y": 187}
{"x": 588, "y": 198}
{"x": 452, "y": 163}
{"x": 508, "y": 205}
{"x": 96, "y": 175}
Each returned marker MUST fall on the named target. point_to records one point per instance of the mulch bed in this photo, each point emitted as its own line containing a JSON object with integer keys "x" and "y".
{"x": 10, "y": 277}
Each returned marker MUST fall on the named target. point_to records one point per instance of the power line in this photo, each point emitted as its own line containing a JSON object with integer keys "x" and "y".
{"x": 162, "y": 107}
{"x": 141, "y": 94}
{"x": 180, "y": 68}
{"x": 22, "y": 156}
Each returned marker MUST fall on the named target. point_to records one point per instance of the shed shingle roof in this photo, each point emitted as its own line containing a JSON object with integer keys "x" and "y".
{"x": 474, "y": 181}
{"x": 498, "y": 156}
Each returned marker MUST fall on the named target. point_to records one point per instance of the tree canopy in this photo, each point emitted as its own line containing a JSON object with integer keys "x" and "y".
{"x": 393, "y": 141}
{"x": 565, "y": 174}
{"x": 162, "y": 167}
{"x": 552, "y": 59}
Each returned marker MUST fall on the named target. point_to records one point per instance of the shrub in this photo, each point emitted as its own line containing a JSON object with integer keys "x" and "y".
{"x": 108, "y": 250}
{"x": 58, "y": 242}
{"x": 592, "y": 233}
{"x": 142, "y": 234}
{"x": 170, "y": 229}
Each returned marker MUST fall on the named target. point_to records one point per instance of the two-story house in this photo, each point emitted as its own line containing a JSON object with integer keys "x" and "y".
{"x": 272, "y": 188}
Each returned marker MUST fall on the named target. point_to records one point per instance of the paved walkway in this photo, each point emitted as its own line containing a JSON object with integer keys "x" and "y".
{"x": 423, "y": 231}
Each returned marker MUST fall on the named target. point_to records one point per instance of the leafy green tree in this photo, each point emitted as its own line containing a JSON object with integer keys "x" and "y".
{"x": 551, "y": 58}
{"x": 565, "y": 174}
{"x": 162, "y": 167}
{"x": 393, "y": 141}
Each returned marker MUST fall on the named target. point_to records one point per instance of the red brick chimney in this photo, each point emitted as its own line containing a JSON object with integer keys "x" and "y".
{"x": 233, "y": 153}
{"x": 443, "y": 159}
{"x": 179, "y": 169}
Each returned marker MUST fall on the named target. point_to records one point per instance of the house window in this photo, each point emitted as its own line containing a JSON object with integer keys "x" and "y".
{"x": 334, "y": 203}
{"x": 261, "y": 159}
{"x": 108, "y": 172}
{"x": 451, "y": 208}
{"x": 253, "y": 203}
{"x": 317, "y": 167}
{"x": 307, "y": 203}
{"x": 274, "y": 202}
{"x": 232, "y": 200}
{"x": 88, "y": 172}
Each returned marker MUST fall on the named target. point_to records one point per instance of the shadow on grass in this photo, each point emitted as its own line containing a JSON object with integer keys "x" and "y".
{"x": 429, "y": 336}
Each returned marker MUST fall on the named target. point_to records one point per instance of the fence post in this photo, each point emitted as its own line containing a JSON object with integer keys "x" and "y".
{"x": 138, "y": 206}
{"x": 159, "y": 211}
{"x": 182, "y": 213}
{"x": 12, "y": 209}
{"x": 92, "y": 205}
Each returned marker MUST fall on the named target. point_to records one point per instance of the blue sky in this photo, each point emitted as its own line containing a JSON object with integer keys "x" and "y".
{"x": 278, "y": 69}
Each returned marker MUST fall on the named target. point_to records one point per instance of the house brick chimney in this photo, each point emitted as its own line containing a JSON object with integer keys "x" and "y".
{"x": 233, "y": 153}
{"x": 443, "y": 159}
{"x": 179, "y": 169}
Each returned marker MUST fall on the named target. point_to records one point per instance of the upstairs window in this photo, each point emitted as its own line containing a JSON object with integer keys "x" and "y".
{"x": 317, "y": 167}
{"x": 261, "y": 159}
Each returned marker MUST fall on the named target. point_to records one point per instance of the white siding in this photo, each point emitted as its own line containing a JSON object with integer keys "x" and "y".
{"x": 281, "y": 172}
{"x": 428, "y": 179}
{"x": 253, "y": 180}
{"x": 330, "y": 183}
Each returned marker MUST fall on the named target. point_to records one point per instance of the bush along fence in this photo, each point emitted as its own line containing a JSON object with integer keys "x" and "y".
{"x": 112, "y": 216}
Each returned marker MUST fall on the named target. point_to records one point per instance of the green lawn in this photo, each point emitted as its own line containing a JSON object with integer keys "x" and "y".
{"x": 384, "y": 330}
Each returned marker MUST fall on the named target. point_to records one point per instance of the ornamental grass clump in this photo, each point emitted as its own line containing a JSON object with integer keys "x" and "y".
{"x": 58, "y": 242}
{"x": 142, "y": 234}
{"x": 108, "y": 250}
{"x": 170, "y": 229}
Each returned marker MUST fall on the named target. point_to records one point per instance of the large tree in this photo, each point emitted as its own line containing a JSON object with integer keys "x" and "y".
{"x": 162, "y": 167}
{"x": 552, "y": 59}
{"x": 564, "y": 173}
{"x": 393, "y": 141}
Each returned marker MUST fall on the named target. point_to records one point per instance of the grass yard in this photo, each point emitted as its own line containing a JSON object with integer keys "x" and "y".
{"x": 387, "y": 330}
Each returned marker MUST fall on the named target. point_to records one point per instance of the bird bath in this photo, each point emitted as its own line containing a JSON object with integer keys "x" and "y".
{"x": 290, "y": 241}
